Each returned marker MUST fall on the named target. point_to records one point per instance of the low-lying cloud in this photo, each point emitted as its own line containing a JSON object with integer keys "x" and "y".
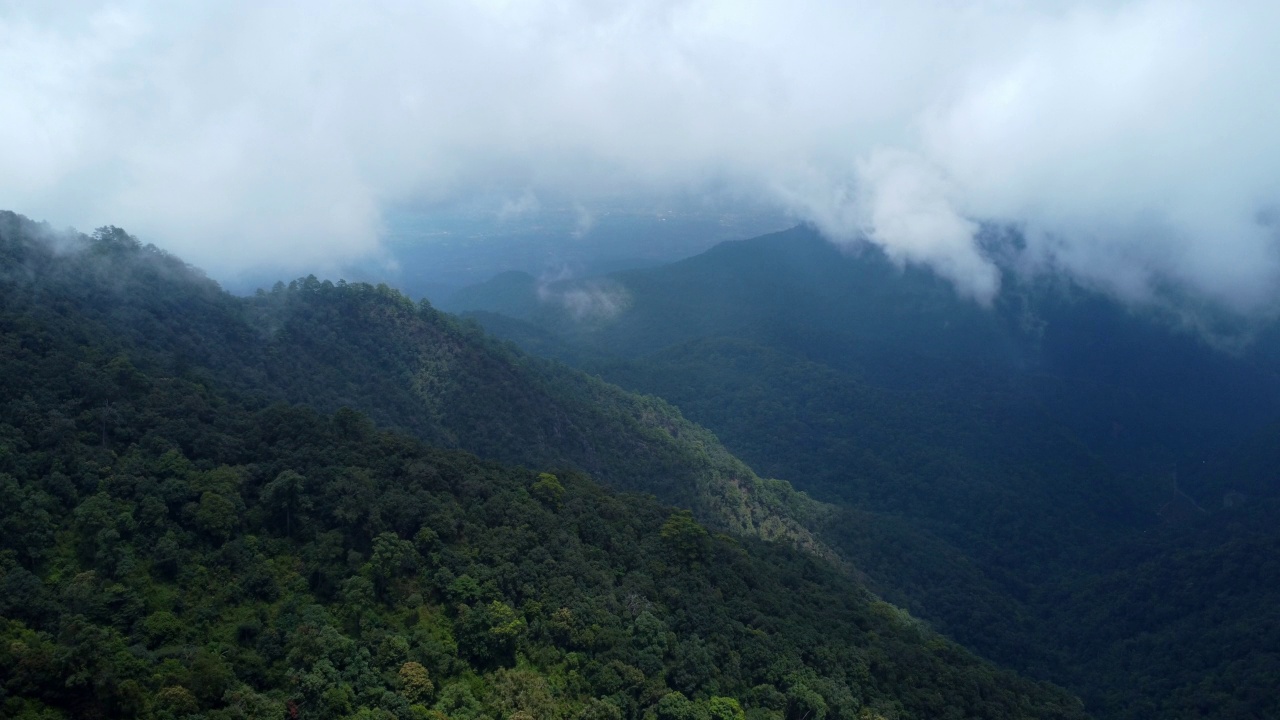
{"x": 1133, "y": 143}
{"x": 594, "y": 300}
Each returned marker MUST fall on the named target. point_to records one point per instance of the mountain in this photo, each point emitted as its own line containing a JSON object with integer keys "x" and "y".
{"x": 904, "y": 327}
{"x": 407, "y": 365}
{"x": 992, "y": 469}
{"x": 198, "y": 524}
{"x": 509, "y": 293}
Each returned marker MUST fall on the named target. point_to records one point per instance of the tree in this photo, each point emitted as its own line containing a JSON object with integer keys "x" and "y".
{"x": 686, "y": 539}
{"x": 806, "y": 703}
{"x": 219, "y": 514}
{"x": 415, "y": 682}
{"x": 675, "y": 706}
{"x": 489, "y": 632}
{"x": 177, "y": 701}
{"x": 723, "y": 708}
{"x": 548, "y": 489}
{"x": 286, "y": 495}
{"x": 391, "y": 556}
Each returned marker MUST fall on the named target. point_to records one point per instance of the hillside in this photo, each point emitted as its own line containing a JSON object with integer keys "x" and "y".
{"x": 991, "y": 468}
{"x": 905, "y": 328}
{"x": 180, "y": 544}
{"x": 408, "y": 366}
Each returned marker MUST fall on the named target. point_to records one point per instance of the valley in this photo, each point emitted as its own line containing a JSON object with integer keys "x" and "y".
{"x": 990, "y": 467}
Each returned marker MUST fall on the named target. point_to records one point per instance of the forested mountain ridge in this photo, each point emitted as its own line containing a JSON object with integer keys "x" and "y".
{"x": 858, "y": 312}
{"x": 1000, "y": 471}
{"x": 407, "y": 365}
{"x": 171, "y": 546}
{"x": 456, "y": 388}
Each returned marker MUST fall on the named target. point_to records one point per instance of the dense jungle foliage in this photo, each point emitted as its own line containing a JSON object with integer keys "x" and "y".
{"x": 178, "y": 541}
{"x": 1009, "y": 474}
{"x": 407, "y": 365}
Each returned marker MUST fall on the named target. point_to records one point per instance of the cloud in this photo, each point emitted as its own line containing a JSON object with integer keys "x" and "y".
{"x": 1133, "y": 142}
{"x": 907, "y": 206}
{"x": 584, "y": 221}
{"x": 514, "y": 208}
{"x": 594, "y": 300}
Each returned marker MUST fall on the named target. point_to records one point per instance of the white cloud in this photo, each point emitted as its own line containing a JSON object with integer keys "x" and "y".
{"x": 909, "y": 207}
{"x": 595, "y": 300}
{"x": 1134, "y": 141}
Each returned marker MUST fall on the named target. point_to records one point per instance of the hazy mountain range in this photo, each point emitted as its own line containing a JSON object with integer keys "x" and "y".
{"x": 250, "y": 507}
{"x": 288, "y": 503}
{"x": 1003, "y": 471}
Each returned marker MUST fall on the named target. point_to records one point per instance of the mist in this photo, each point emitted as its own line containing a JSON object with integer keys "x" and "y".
{"x": 1133, "y": 144}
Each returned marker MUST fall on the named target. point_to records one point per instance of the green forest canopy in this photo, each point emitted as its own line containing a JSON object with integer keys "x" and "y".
{"x": 179, "y": 543}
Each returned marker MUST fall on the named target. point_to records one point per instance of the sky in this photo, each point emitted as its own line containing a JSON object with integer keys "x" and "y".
{"x": 1136, "y": 145}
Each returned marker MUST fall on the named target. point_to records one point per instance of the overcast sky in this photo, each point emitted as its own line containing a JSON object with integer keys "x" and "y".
{"x": 1137, "y": 143}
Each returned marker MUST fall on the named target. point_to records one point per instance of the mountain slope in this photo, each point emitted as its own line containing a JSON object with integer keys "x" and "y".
{"x": 407, "y": 365}
{"x": 1083, "y": 354}
{"x": 174, "y": 547}
{"x": 992, "y": 468}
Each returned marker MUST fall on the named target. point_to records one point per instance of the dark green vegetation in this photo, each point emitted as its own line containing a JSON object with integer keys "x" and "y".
{"x": 195, "y": 525}
{"x": 407, "y": 366}
{"x": 1062, "y": 485}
